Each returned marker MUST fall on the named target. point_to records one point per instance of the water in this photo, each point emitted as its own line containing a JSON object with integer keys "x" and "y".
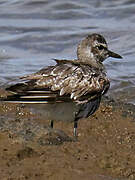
{"x": 33, "y": 32}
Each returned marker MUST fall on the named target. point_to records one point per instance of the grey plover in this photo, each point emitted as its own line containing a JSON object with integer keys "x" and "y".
{"x": 81, "y": 81}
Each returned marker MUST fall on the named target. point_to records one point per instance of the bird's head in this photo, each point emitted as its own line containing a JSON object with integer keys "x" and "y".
{"x": 94, "y": 49}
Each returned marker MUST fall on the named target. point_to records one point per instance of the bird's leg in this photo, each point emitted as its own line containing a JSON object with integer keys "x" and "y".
{"x": 51, "y": 125}
{"x": 75, "y": 127}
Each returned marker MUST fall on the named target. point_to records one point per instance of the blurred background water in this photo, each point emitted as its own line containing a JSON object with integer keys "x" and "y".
{"x": 33, "y": 32}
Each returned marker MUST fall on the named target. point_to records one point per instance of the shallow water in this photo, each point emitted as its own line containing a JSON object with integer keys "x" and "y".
{"x": 33, "y": 32}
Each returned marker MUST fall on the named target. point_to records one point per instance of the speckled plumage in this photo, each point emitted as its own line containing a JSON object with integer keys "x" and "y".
{"x": 67, "y": 78}
{"x": 83, "y": 80}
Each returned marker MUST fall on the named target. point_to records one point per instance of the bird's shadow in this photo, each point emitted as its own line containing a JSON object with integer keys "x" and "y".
{"x": 55, "y": 137}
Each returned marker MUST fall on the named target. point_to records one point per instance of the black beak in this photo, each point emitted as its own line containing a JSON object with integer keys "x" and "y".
{"x": 112, "y": 54}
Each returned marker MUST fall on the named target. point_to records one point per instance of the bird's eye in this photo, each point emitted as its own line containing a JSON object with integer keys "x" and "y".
{"x": 100, "y": 47}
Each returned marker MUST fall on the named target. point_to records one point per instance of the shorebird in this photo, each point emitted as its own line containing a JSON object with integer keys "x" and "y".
{"x": 81, "y": 82}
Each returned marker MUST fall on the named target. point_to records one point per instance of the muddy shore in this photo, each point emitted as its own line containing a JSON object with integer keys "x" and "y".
{"x": 104, "y": 150}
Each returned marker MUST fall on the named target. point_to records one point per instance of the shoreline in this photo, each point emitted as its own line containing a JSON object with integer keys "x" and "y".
{"x": 104, "y": 149}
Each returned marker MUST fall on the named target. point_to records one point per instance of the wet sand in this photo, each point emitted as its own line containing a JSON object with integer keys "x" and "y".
{"x": 104, "y": 150}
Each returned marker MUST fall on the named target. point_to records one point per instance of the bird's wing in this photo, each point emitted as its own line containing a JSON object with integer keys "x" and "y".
{"x": 78, "y": 81}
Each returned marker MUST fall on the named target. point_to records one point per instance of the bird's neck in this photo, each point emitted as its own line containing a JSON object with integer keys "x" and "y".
{"x": 90, "y": 60}
{"x": 86, "y": 56}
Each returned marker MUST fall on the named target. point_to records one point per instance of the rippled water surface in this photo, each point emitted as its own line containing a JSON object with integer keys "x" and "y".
{"x": 33, "y": 32}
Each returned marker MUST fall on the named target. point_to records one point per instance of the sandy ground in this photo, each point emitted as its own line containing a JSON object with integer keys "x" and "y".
{"x": 104, "y": 150}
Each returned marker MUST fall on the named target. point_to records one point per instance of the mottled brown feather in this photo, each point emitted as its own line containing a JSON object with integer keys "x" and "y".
{"x": 77, "y": 80}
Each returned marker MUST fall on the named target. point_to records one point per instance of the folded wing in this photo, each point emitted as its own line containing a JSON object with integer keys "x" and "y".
{"x": 67, "y": 80}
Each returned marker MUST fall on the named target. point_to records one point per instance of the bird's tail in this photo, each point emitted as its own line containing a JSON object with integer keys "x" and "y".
{"x": 25, "y": 93}
{"x": 35, "y": 96}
